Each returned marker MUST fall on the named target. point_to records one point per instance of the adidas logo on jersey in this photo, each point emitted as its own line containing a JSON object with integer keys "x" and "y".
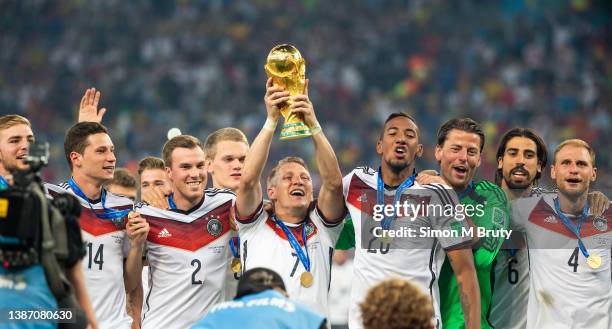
{"x": 164, "y": 234}
{"x": 551, "y": 219}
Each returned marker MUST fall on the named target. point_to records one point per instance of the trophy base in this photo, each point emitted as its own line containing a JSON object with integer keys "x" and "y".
{"x": 295, "y": 131}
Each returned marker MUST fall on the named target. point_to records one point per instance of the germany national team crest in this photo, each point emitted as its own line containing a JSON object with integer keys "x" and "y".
{"x": 600, "y": 223}
{"x": 214, "y": 227}
{"x": 309, "y": 229}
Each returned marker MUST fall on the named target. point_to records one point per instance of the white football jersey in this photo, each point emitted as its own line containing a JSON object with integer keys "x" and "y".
{"x": 107, "y": 246}
{"x": 375, "y": 261}
{"x": 188, "y": 258}
{"x": 511, "y": 282}
{"x": 264, "y": 244}
{"x": 564, "y": 291}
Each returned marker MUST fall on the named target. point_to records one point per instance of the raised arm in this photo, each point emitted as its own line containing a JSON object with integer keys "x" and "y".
{"x": 88, "y": 109}
{"x": 249, "y": 194}
{"x": 462, "y": 262}
{"x": 330, "y": 200}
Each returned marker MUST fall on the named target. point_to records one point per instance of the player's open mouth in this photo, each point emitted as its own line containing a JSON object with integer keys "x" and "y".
{"x": 400, "y": 151}
{"x": 460, "y": 170}
{"x": 297, "y": 192}
{"x": 574, "y": 180}
{"x": 519, "y": 173}
{"x": 109, "y": 168}
{"x": 193, "y": 184}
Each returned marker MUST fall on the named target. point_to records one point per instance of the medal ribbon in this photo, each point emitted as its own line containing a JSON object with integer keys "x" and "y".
{"x": 576, "y": 230}
{"x": 303, "y": 256}
{"x": 171, "y": 201}
{"x": 233, "y": 242}
{"x": 109, "y": 213}
{"x": 380, "y": 195}
{"x": 3, "y": 184}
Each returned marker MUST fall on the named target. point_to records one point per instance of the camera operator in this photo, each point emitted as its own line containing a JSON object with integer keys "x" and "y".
{"x": 40, "y": 242}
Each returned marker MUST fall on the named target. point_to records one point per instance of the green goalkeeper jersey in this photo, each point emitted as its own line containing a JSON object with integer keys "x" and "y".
{"x": 495, "y": 215}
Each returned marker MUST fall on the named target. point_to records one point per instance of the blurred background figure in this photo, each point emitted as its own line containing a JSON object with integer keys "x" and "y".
{"x": 397, "y": 304}
{"x": 340, "y": 288}
{"x": 261, "y": 302}
{"x": 198, "y": 65}
{"x": 123, "y": 183}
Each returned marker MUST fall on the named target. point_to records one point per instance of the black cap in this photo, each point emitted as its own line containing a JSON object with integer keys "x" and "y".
{"x": 257, "y": 280}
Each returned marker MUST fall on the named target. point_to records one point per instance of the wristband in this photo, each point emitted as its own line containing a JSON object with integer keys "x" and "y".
{"x": 270, "y": 124}
{"x": 316, "y": 129}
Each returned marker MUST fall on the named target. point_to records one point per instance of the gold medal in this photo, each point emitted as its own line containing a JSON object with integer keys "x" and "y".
{"x": 594, "y": 261}
{"x": 306, "y": 279}
{"x": 236, "y": 266}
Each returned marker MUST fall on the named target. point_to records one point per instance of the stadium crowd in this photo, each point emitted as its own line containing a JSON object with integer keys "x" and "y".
{"x": 198, "y": 66}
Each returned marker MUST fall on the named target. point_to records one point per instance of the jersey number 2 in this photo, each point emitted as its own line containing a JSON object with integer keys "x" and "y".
{"x": 198, "y": 267}
{"x": 98, "y": 258}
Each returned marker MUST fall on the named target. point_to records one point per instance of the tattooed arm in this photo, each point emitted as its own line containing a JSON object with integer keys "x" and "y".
{"x": 462, "y": 262}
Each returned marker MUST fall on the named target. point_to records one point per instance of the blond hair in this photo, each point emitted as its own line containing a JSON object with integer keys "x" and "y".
{"x": 575, "y": 142}
{"x": 396, "y": 304}
{"x": 221, "y": 135}
{"x": 7, "y": 121}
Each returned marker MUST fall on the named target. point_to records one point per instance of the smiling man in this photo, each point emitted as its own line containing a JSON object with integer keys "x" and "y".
{"x": 297, "y": 240}
{"x": 459, "y": 151}
{"x": 569, "y": 249}
{"x": 187, "y": 245}
{"x": 113, "y": 253}
{"x": 421, "y": 259}
{"x": 16, "y": 136}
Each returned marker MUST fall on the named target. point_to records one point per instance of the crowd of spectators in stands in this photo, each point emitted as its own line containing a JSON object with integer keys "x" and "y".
{"x": 198, "y": 66}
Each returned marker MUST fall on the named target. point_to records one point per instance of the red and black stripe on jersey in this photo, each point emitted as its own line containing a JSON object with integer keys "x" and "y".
{"x": 189, "y": 236}
{"x": 541, "y": 216}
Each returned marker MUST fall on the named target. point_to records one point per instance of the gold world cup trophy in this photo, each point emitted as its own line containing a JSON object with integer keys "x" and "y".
{"x": 287, "y": 68}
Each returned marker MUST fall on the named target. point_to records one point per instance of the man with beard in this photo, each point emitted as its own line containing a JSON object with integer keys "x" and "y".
{"x": 421, "y": 261}
{"x": 522, "y": 157}
{"x": 569, "y": 249}
{"x": 186, "y": 247}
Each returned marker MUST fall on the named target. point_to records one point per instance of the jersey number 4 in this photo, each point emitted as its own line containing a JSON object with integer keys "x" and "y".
{"x": 573, "y": 260}
{"x": 98, "y": 259}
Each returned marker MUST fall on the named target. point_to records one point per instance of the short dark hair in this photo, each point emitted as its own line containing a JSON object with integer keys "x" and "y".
{"x": 463, "y": 124}
{"x": 122, "y": 177}
{"x": 541, "y": 150}
{"x": 257, "y": 280}
{"x": 397, "y": 115}
{"x": 181, "y": 141}
{"x": 150, "y": 163}
{"x": 76, "y": 137}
